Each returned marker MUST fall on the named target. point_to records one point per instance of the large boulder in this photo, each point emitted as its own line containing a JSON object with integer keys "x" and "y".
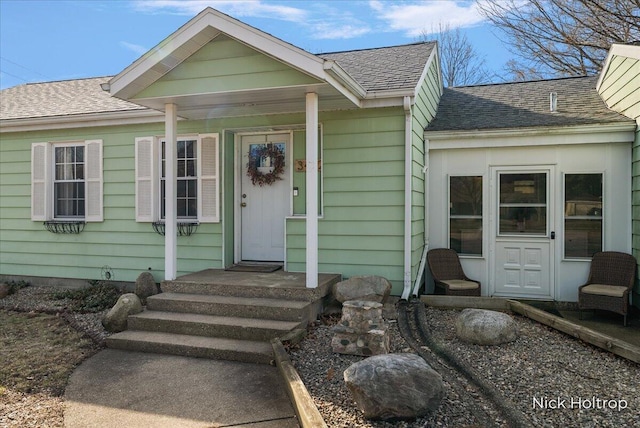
{"x": 116, "y": 319}
{"x": 484, "y": 327}
{"x": 146, "y": 286}
{"x": 372, "y": 288}
{"x": 394, "y": 386}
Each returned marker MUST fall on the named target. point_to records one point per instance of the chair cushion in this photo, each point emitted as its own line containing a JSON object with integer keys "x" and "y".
{"x": 604, "y": 290}
{"x": 460, "y": 284}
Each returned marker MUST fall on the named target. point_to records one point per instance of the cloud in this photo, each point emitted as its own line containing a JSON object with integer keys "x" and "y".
{"x": 140, "y": 50}
{"x": 417, "y": 17}
{"x": 237, "y": 8}
{"x": 331, "y": 31}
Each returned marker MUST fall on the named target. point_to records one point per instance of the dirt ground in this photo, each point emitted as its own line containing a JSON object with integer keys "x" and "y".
{"x": 38, "y": 352}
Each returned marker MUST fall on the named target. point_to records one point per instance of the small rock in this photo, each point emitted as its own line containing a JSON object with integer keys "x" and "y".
{"x": 4, "y": 290}
{"x": 116, "y": 319}
{"x": 372, "y": 288}
{"x": 394, "y": 386}
{"x": 484, "y": 327}
{"x": 146, "y": 286}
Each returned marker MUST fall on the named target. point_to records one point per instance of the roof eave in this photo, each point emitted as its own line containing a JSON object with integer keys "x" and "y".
{"x": 623, "y": 131}
{"x": 125, "y": 117}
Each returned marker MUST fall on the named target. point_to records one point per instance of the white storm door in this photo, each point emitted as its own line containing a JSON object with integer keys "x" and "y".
{"x": 523, "y": 232}
{"x": 264, "y": 208}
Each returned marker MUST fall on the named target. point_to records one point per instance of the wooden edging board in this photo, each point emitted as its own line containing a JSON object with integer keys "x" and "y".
{"x": 608, "y": 343}
{"x": 305, "y": 408}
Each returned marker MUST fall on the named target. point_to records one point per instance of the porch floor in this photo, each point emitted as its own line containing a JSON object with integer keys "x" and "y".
{"x": 277, "y": 279}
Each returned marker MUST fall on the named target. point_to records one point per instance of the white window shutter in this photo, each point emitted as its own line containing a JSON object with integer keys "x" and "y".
{"x": 208, "y": 178}
{"x": 93, "y": 181}
{"x": 40, "y": 182}
{"x": 147, "y": 186}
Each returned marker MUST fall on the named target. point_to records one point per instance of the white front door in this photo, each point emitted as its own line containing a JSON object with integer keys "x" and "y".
{"x": 263, "y": 205}
{"x": 523, "y": 231}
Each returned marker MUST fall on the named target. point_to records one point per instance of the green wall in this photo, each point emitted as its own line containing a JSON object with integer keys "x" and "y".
{"x": 225, "y": 65}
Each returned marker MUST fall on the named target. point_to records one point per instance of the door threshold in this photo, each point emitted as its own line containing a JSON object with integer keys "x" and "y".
{"x": 259, "y": 267}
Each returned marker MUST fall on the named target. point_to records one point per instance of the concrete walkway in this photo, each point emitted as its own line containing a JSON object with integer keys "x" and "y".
{"x": 129, "y": 389}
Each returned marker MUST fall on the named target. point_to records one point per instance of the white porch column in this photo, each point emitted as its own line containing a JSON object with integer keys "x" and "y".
{"x": 171, "y": 210}
{"x": 312, "y": 189}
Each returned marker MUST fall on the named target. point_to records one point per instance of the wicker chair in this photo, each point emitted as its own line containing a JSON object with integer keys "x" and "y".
{"x": 448, "y": 274}
{"x": 611, "y": 278}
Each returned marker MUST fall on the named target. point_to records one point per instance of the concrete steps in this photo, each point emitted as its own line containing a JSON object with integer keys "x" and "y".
{"x": 193, "y": 346}
{"x": 223, "y": 316}
{"x": 211, "y": 325}
{"x": 247, "y": 307}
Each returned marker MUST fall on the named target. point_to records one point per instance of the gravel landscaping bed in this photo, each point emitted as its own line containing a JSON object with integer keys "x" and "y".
{"x": 553, "y": 379}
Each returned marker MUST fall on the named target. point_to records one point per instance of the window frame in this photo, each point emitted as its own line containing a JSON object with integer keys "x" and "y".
{"x": 546, "y": 205}
{"x": 161, "y": 160}
{"x": 564, "y": 216}
{"x": 148, "y": 172}
{"x": 43, "y": 181}
{"x": 55, "y": 181}
{"x": 480, "y": 217}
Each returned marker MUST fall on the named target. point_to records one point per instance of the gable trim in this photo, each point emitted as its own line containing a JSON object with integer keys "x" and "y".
{"x": 207, "y": 25}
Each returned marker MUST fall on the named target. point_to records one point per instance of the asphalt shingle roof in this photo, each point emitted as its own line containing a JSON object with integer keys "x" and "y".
{"x": 522, "y": 104}
{"x": 61, "y": 98}
{"x": 395, "y": 67}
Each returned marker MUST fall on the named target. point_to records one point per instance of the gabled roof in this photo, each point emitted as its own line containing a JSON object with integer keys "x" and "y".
{"x": 389, "y": 68}
{"x": 363, "y": 78}
{"x": 523, "y": 105}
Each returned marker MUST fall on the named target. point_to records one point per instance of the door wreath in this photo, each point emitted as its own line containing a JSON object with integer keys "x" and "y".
{"x": 255, "y": 160}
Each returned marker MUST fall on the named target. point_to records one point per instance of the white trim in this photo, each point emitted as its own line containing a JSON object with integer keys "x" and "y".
{"x": 629, "y": 51}
{"x": 587, "y": 134}
{"x": 130, "y": 117}
{"x": 311, "y": 112}
{"x": 171, "y": 213}
{"x": 408, "y": 178}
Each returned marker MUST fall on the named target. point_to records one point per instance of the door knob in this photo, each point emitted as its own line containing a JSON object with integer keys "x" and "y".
{"x": 244, "y": 204}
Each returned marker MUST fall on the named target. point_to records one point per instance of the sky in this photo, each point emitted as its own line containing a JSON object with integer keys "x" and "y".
{"x": 60, "y": 40}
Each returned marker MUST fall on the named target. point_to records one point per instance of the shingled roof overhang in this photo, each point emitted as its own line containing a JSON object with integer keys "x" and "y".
{"x": 335, "y": 87}
{"x": 517, "y": 114}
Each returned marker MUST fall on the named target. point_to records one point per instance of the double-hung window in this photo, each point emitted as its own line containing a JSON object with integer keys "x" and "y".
{"x": 465, "y": 214}
{"x": 66, "y": 181}
{"x": 197, "y": 179}
{"x": 582, "y": 215}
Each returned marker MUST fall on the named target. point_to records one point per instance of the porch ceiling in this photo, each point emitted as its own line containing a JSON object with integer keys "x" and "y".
{"x": 252, "y": 102}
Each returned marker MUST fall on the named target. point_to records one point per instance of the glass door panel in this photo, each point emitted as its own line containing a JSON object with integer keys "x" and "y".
{"x": 523, "y": 204}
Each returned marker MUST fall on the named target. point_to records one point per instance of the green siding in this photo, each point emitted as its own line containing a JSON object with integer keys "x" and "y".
{"x": 225, "y": 65}
{"x": 361, "y": 230}
{"x": 424, "y": 110}
{"x": 129, "y": 248}
{"x": 362, "y": 189}
{"x": 620, "y": 86}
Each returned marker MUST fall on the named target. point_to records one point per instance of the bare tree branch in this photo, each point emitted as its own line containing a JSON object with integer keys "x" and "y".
{"x": 461, "y": 65}
{"x": 562, "y": 37}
